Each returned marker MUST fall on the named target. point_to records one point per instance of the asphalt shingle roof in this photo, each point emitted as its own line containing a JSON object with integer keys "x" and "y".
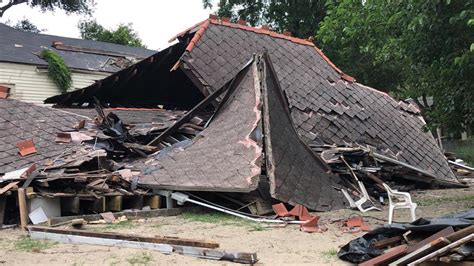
{"x": 21, "y": 121}
{"x": 326, "y": 105}
{"x": 24, "y": 47}
{"x": 223, "y": 157}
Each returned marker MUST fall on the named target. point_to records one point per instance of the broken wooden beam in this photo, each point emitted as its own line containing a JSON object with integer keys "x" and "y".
{"x": 387, "y": 257}
{"x": 386, "y": 242}
{"x": 201, "y": 105}
{"x": 22, "y": 208}
{"x": 131, "y": 241}
{"x": 129, "y": 237}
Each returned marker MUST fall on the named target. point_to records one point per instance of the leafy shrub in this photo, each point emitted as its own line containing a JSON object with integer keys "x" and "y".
{"x": 58, "y": 71}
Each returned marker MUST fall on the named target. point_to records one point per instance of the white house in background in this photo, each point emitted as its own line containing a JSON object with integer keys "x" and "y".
{"x": 26, "y": 74}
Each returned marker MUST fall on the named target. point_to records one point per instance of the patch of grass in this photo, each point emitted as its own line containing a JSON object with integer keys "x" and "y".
{"x": 256, "y": 227}
{"x": 466, "y": 153}
{"x": 212, "y": 217}
{"x": 221, "y": 219}
{"x": 113, "y": 260}
{"x": 120, "y": 225}
{"x": 143, "y": 258}
{"x": 436, "y": 201}
{"x": 25, "y": 243}
{"x": 329, "y": 254}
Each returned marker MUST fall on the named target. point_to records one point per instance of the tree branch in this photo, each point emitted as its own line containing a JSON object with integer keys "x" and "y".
{"x": 10, "y": 4}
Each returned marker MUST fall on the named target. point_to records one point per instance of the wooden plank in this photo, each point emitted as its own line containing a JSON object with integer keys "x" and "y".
{"x": 443, "y": 250}
{"x": 8, "y": 187}
{"x": 385, "y": 258}
{"x": 129, "y": 237}
{"x": 130, "y": 215}
{"x": 249, "y": 258}
{"x": 22, "y": 208}
{"x": 461, "y": 233}
{"x": 386, "y": 242}
{"x": 446, "y": 231}
{"x": 433, "y": 245}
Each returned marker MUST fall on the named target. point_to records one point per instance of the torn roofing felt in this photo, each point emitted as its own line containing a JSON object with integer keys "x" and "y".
{"x": 21, "y": 121}
{"x": 225, "y": 156}
{"x": 327, "y": 106}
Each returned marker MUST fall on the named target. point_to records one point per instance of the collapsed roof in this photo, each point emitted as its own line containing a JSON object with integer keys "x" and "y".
{"x": 297, "y": 101}
{"x": 327, "y": 106}
{"x": 227, "y": 155}
{"x": 21, "y": 121}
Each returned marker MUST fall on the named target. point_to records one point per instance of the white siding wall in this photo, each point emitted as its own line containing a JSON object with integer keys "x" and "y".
{"x": 32, "y": 85}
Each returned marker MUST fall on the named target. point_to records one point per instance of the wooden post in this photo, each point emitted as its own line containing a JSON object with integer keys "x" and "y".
{"x": 22, "y": 208}
{"x": 152, "y": 201}
{"x": 114, "y": 203}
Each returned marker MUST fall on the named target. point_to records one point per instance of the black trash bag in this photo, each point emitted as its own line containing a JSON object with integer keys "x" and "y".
{"x": 359, "y": 250}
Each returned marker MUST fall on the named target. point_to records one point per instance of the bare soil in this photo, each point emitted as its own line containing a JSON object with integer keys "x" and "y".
{"x": 274, "y": 246}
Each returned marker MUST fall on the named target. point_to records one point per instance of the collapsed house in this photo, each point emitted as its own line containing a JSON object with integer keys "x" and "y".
{"x": 234, "y": 109}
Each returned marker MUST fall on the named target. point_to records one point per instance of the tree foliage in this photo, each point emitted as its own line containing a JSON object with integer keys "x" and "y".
{"x": 417, "y": 49}
{"x": 58, "y": 71}
{"x": 70, "y": 6}
{"x": 301, "y": 17}
{"x": 26, "y": 25}
{"x": 124, "y": 34}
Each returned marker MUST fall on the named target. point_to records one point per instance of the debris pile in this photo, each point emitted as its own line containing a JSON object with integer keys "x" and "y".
{"x": 242, "y": 127}
{"x": 445, "y": 239}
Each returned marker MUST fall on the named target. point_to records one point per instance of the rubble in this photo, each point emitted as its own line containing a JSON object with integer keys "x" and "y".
{"x": 436, "y": 239}
{"x": 244, "y": 138}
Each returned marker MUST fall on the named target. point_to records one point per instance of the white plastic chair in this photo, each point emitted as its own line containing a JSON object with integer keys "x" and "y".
{"x": 399, "y": 200}
{"x": 358, "y": 204}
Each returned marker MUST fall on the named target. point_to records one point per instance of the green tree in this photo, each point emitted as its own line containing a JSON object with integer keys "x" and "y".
{"x": 300, "y": 17}
{"x": 70, "y": 6}
{"x": 124, "y": 34}
{"x": 26, "y": 25}
{"x": 416, "y": 49}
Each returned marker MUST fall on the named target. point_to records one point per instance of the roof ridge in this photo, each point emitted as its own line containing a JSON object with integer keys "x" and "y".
{"x": 213, "y": 19}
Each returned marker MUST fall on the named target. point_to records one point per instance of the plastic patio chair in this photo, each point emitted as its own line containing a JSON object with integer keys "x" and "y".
{"x": 358, "y": 204}
{"x": 399, "y": 200}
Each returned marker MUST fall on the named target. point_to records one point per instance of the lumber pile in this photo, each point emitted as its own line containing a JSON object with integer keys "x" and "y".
{"x": 440, "y": 240}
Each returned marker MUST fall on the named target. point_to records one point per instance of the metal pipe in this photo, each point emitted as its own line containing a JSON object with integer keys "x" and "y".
{"x": 181, "y": 198}
{"x": 388, "y": 159}
{"x": 461, "y": 165}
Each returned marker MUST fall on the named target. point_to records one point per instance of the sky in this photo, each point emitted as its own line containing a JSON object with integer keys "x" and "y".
{"x": 156, "y": 21}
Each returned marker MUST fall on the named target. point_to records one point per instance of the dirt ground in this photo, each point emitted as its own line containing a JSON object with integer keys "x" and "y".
{"x": 274, "y": 246}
